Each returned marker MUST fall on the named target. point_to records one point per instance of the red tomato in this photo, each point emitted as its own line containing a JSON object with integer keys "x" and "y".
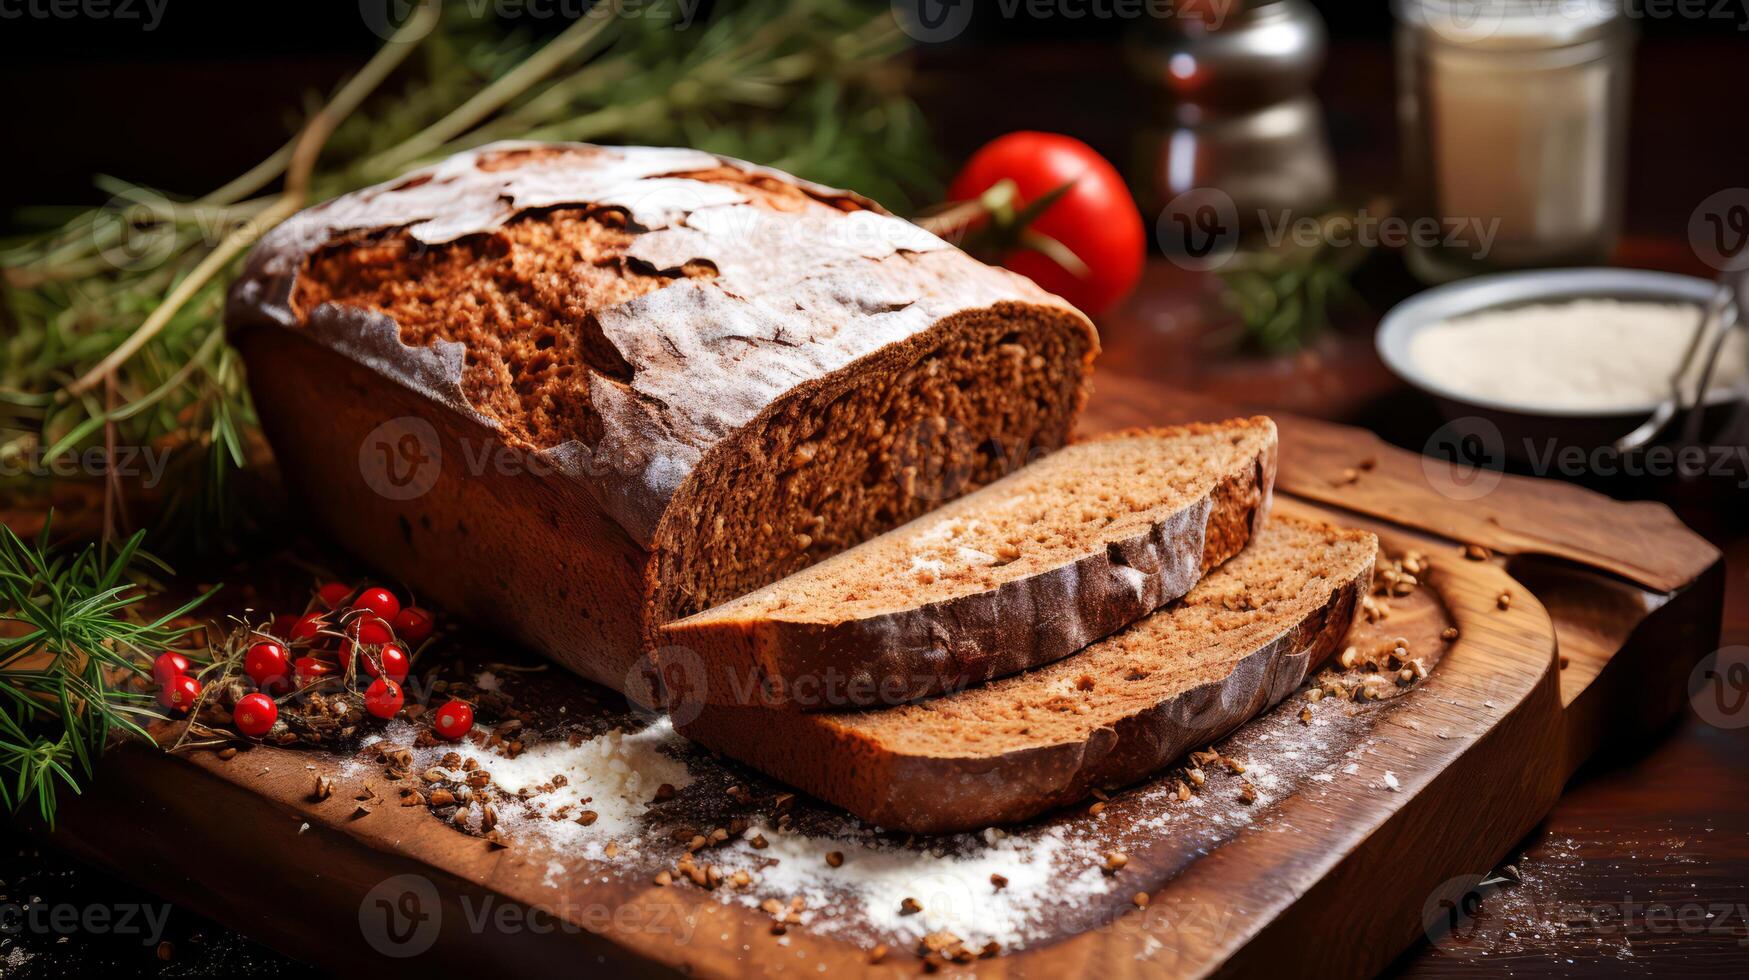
{"x": 1096, "y": 219}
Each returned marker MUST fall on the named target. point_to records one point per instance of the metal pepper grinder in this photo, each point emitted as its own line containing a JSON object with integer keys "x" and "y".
{"x": 1235, "y": 112}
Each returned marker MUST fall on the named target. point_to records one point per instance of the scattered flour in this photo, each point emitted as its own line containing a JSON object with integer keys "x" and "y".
{"x": 974, "y": 557}
{"x": 953, "y": 887}
{"x": 618, "y": 771}
{"x": 1053, "y": 883}
{"x": 928, "y": 568}
{"x": 555, "y": 872}
{"x": 616, "y": 775}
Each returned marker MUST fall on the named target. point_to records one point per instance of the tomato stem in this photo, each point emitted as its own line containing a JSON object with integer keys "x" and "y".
{"x": 991, "y": 227}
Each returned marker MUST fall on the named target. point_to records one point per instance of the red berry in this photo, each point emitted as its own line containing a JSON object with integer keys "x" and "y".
{"x": 180, "y": 694}
{"x": 382, "y": 698}
{"x": 454, "y": 720}
{"x": 371, "y": 629}
{"x": 395, "y": 662}
{"x": 366, "y": 630}
{"x": 309, "y": 670}
{"x": 255, "y": 714}
{"x": 380, "y": 601}
{"x": 267, "y": 664}
{"x": 413, "y": 625}
{"x": 308, "y": 626}
{"x": 283, "y": 625}
{"x": 169, "y": 666}
{"x": 333, "y": 594}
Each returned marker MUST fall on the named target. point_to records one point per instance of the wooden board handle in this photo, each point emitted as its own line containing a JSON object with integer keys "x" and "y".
{"x": 1353, "y": 469}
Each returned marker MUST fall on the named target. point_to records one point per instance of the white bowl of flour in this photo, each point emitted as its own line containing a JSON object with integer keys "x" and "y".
{"x": 1578, "y": 356}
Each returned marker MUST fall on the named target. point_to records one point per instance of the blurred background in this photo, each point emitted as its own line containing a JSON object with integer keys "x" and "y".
{"x": 1292, "y": 105}
{"x": 1308, "y": 108}
{"x": 211, "y": 88}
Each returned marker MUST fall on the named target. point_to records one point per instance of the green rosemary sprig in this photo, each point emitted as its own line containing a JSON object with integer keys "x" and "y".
{"x": 112, "y": 316}
{"x": 1284, "y": 294}
{"x": 70, "y": 633}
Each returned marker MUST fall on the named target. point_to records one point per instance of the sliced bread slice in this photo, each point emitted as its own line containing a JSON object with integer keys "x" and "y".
{"x": 1125, "y": 707}
{"x": 1020, "y": 573}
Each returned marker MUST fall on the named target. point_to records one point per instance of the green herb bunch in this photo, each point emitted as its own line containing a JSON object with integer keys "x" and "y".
{"x": 71, "y": 635}
{"x": 112, "y": 316}
{"x": 1284, "y": 294}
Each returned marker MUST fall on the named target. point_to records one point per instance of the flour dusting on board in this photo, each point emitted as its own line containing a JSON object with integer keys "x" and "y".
{"x": 637, "y": 802}
{"x": 544, "y": 790}
{"x": 951, "y": 887}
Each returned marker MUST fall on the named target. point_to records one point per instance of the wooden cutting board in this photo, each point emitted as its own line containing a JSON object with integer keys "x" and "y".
{"x": 1372, "y": 819}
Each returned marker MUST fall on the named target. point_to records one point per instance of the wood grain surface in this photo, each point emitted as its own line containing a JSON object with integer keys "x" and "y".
{"x": 1352, "y": 469}
{"x": 1478, "y": 754}
{"x": 1490, "y": 710}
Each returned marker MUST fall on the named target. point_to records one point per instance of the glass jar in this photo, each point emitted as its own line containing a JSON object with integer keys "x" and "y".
{"x": 1514, "y": 120}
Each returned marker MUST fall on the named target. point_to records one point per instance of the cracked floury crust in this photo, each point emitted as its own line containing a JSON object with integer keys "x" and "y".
{"x": 813, "y": 642}
{"x": 1114, "y": 713}
{"x": 796, "y": 296}
{"x": 797, "y": 305}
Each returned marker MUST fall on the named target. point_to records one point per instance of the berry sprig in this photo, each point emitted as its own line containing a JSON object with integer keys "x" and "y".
{"x": 344, "y": 632}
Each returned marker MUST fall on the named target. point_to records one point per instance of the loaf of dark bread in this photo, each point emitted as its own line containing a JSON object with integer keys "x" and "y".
{"x": 578, "y": 392}
{"x": 1114, "y": 713}
{"x": 1020, "y": 573}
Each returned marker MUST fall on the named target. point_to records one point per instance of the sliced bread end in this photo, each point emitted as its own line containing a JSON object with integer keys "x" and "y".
{"x": 1021, "y": 573}
{"x": 1116, "y": 712}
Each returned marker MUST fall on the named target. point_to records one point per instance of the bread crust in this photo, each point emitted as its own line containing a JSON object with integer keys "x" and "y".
{"x": 797, "y": 297}
{"x": 842, "y": 292}
{"x": 930, "y": 793}
{"x": 953, "y": 644}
